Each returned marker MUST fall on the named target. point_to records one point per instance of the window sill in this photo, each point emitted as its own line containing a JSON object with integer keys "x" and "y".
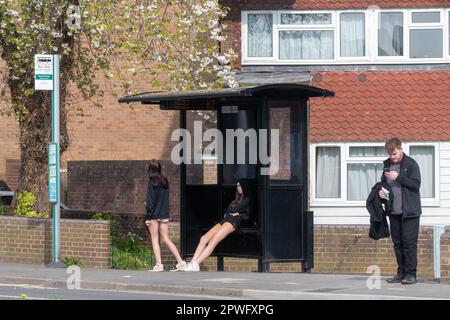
{"x": 425, "y": 203}
{"x": 344, "y": 62}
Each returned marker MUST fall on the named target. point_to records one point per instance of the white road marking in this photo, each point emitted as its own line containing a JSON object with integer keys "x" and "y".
{"x": 25, "y": 286}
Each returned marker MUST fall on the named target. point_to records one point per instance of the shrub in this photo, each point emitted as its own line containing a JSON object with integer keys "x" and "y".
{"x": 70, "y": 261}
{"x": 131, "y": 253}
{"x": 128, "y": 251}
{"x": 101, "y": 216}
{"x": 25, "y": 204}
{"x": 34, "y": 214}
{"x": 3, "y": 208}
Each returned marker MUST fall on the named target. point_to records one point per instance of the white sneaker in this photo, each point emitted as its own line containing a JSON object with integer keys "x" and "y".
{"x": 192, "y": 267}
{"x": 159, "y": 267}
{"x": 180, "y": 266}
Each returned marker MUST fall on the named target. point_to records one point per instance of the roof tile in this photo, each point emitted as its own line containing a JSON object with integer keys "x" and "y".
{"x": 414, "y": 105}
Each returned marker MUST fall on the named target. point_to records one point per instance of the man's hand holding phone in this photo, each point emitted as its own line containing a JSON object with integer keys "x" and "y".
{"x": 391, "y": 175}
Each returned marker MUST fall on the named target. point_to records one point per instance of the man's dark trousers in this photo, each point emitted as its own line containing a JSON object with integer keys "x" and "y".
{"x": 405, "y": 234}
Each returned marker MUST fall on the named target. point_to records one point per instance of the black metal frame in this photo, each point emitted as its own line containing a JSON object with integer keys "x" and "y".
{"x": 262, "y": 108}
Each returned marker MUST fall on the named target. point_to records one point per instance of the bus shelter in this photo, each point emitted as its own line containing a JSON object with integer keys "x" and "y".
{"x": 280, "y": 224}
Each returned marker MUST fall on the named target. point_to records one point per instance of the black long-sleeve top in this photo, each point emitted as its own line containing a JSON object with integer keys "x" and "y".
{"x": 157, "y": 202}
{"x": 242, "y": 207}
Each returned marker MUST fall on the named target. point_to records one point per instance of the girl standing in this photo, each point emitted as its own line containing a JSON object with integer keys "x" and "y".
{"x": 157, "y": 217}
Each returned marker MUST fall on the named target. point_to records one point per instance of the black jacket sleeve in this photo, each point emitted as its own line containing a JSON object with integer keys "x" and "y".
{"x": 240, "y": 206}
{"x": 411, "y": 178}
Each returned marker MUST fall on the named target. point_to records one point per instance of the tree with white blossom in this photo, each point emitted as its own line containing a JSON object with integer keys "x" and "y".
{"x": 121, "y": 39}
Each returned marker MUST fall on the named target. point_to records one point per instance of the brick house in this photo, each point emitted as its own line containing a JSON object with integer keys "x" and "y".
{"x": 390, "y": 69}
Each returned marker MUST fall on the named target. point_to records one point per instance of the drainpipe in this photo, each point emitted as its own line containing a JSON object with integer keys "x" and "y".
{"x": 437, "y": 232}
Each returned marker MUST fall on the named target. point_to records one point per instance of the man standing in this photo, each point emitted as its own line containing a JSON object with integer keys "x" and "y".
{"x": 403, "y": 175}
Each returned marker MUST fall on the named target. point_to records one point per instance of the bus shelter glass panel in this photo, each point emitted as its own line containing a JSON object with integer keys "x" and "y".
{"x": 202, "y": 167}
{"x": 240, "y": 127}
{"x": 240, "y": 144}
{"x": 285, "y": 191}
{"x": 285, "y": 153}
{"x": 201, "y": 190}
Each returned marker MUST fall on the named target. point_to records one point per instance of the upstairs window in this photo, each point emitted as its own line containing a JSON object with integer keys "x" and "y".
{"x": 307, "y": 44}
{"x": 390, "y": 34}
{"x": 426, "y": 35}
{"x": 346, "y": 36}
{"x": 260, "y": 35}
{"x": 306, "y": 36}
{"x": 306, "y": 18}
{"x": 352, "y": 35}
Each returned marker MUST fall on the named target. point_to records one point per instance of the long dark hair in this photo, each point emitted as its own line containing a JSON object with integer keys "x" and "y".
{"x": 155, "y": 175}
{"x": 237, "y": 198}
{"x": 240, "y": 196}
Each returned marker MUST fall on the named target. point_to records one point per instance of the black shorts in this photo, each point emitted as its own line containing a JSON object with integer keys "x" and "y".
{"x": 235, "y": 221}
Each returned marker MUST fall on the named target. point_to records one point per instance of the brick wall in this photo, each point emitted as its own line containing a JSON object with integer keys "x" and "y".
{"x": 113, "y": 132}
{"x": 134, "y": 223}
{"x": 24, "y": 240}
{"x": 117, "y": 186}
{"x": 348, "y": 249}
{"x": 125, "y": 222}
{"x": 337, "y": 249}
{"x": 12, "y": 173}
{"x": 210, "y": 172}
{"x": 445, "y": 256}
{"x": 9, "y": 132}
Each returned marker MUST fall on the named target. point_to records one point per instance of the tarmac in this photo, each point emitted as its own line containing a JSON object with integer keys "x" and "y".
{"x": 234, "y": 285}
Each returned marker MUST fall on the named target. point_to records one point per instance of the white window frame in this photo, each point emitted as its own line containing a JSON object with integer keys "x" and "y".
{"x": 312, "y": 154}
{"x": 305, "y": 27}
{"x": 427, "y": 26}
{"x": 338, "y": 39}
{"x": 447, "y": 33}
{"x": 371, "y": 39}
{"x": 387, "y": 59}
{"x": 244, "y": 39}
{"x": 436, "y": 200}
{"x": 346, "y": 159}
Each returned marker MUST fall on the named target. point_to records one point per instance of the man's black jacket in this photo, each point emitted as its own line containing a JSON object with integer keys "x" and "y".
{"x": 409, "y": 179}
{"x": 374, "y": 204}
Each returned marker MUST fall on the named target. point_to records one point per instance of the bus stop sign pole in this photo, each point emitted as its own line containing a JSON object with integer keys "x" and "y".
{"x": 47, "y": 78}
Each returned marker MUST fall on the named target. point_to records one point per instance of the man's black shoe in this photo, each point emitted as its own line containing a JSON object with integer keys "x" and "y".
{"x": 409, "y": 279}
{"x": 396, "y": 279}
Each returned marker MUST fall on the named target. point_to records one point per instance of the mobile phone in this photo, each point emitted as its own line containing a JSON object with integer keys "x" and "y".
{"x": 386, "y": 170}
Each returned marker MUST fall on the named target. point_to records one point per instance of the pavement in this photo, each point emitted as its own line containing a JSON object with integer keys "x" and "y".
{"x": 235, "y": 285}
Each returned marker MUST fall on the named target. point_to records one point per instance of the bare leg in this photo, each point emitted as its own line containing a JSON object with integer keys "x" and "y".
{"x": 154, "y": 226}
{"x": 164, "y": 231}
{"x": 204, "y": 241}
{"x": 221, "y": 234}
